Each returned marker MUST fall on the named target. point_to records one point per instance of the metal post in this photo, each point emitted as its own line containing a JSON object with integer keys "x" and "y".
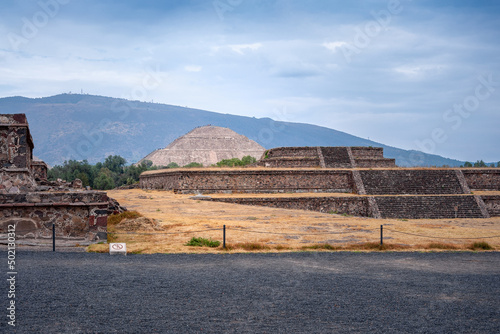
{"x": 53, "y": 237}
{"x": 224, "y": 237}
{"x": 381, "y": 235}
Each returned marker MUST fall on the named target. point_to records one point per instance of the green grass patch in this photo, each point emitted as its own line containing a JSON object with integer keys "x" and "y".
{"x": 202, "y": 242}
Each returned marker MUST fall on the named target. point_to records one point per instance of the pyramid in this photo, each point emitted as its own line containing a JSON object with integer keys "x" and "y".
{"x": 206, "y": 145}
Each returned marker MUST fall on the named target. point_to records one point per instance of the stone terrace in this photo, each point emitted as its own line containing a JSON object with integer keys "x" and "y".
{"x": 387, "y": 192}
{"x": 326, "y": 157}
{"x": 415, "y": 182}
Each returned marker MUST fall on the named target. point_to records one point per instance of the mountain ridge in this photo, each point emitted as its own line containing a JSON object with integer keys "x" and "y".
{"x": 91, "y": 127}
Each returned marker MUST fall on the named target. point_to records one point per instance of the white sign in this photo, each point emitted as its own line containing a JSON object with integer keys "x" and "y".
{"x": 118, "y": 248}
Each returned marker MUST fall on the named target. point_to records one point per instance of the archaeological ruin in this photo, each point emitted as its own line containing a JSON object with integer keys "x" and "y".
{"x": 356, "y": 181}
{"x": 206, "y": 145}
{"x": 29, "y": 204}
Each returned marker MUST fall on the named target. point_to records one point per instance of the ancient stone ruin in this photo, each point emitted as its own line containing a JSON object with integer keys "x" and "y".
{"x": 32, "y": 204}
{"x": 373, "y": 185}
{"x": 206, "y": 145}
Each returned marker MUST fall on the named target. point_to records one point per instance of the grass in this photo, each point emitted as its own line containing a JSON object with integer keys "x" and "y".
{"x": 480, "y": 245}
{"x": 202, "y": 242}
{"x": 322, "y": 246}
{"x": 440, "y": 245}
{"x": 250, "y": 246}
{"x": 114, "y": 220}
{"x": 183, "y": 218}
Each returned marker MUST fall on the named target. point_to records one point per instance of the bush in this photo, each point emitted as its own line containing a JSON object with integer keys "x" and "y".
{"x": 480, "y": 245}
{"x": 202, "y": 242}
{"x": 193, "y": 165}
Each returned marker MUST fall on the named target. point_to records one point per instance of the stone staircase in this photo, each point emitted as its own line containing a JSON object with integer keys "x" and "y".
{"x": 431, "y": 207}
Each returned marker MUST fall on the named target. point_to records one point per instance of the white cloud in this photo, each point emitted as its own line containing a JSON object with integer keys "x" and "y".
{"x": 193, "y": 68}
{"x": 333, "y": 46}
{"x": 240, "y": 48}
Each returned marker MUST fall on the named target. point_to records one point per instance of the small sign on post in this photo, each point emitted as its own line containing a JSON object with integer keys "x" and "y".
{"x": 117, "y": 248}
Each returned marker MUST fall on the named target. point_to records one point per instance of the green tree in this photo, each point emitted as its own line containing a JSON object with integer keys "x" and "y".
{"x": 104, "y": 180}
{"x": 479, "y": 163}
{"x": 173, "y": 165}
{"x": 115, "y": 163}
{"x": 467, "y": 164}
{"x": 247, "y": 160}
{"x": 193, "y": 164}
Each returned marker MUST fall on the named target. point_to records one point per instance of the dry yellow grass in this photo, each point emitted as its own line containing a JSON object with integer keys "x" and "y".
{"x": 279, "y": 229}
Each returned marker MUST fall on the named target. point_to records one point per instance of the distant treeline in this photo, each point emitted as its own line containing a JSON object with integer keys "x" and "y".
{"x": 114, "y": 172}
{"x": 479, "y": 164}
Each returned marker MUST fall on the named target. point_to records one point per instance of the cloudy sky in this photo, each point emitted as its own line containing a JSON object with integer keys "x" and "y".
{"x": 415, "y": 74}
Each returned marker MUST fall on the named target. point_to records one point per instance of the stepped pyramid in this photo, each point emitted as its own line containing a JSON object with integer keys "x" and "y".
{"x": 206, "y": 145}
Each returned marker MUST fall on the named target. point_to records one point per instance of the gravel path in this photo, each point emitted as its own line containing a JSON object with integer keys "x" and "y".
{"x": 75, "y": 292}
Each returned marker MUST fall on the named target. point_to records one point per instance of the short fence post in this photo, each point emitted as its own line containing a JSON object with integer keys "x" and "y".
{"x": 53, "y": 237}
{"x": 224, "y": 237}
{"x": 381, "y": 235}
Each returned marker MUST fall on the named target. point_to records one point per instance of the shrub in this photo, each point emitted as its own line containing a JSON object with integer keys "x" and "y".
{"x": 483, "y": 245}
{"x": 439, "y": 245}
{"x": 202, "y": 242}
{"x": 322, "y": 246}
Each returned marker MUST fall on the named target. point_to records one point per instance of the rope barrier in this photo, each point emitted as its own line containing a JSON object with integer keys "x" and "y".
{"x": 157, "y": 233}
{"x": 276, "y": 233}
{"x": 281, "y": 233}
{"x": 425, "y": 236}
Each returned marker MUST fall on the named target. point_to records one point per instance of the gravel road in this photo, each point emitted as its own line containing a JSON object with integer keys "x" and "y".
{"x": 75, "y": 292}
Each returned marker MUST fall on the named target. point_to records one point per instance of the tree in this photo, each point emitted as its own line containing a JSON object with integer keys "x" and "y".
{"x": 467, "y": 164}
{"x": 115, "y": 163}
{"x": 193, "y": 164}
{"x": 104, "y": 180}
{"x": 247, "y": 160}
{"x": 479, "y": 163}
{"x": 173, "y": 165}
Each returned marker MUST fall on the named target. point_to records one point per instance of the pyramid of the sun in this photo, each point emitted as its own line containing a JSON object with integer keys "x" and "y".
{"x": 206, "y": 145}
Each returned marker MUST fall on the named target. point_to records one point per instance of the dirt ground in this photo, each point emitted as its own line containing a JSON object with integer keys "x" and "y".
{"x": 182, "y": 218}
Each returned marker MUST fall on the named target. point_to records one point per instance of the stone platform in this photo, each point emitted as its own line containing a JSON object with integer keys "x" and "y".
{"x": 380, "y": 192}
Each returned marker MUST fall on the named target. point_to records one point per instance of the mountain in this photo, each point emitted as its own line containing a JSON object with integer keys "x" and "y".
{"x": 75, "y": 126}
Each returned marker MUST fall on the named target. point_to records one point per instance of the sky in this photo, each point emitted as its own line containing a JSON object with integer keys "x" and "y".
{"x": 418, "y": 74}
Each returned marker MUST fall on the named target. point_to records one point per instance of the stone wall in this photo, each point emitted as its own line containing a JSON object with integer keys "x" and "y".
{"x": 39, "y": 170}
{"x": 355, "y": 206}
{"x": 33, "y": 207}
{"x": 326, "y": 157}
{"x": 391, "y": 189}
{"x": 336, "y": 157}
{"x": 299, "y": 162}
{"x": 16, "y": 144}
{"x": 248, "y": 181}
{"x": 492, "y": 203}
{"x": 291, "y": 152}
{"x": 375, "y": 163}
{"x": 410, "y": 182}
{"x": 482, "y": 179}
{"x": 16, "y": 182}
{"x": 77, "y": 215}
{"x": 359, "y": 152}
{"x": 432, "y": 207}
{"x": 410, "y": 207}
